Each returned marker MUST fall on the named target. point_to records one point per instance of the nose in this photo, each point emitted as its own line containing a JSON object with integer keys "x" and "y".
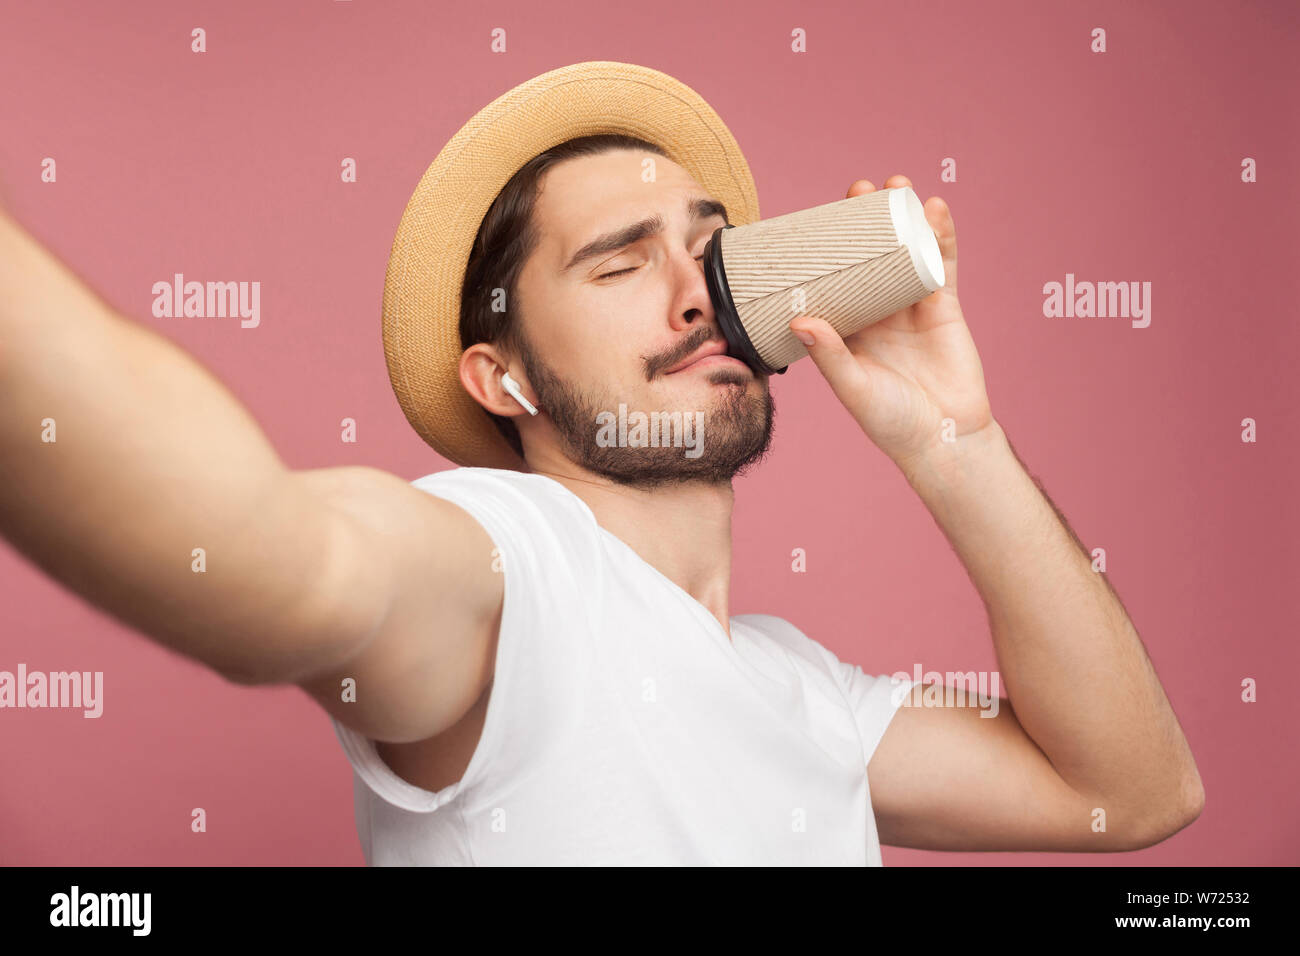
{"x": 692, "y": 306}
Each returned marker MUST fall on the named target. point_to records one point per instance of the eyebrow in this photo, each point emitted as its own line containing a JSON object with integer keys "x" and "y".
{"x": 697, "y": 208}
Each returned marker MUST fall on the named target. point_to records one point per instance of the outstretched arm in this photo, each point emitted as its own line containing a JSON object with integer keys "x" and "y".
{"x": 307, "y": 574}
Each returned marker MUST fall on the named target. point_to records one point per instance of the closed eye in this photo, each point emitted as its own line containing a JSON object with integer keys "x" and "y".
{"x": 619, "y": 272}
{"x": 608, "y": 275}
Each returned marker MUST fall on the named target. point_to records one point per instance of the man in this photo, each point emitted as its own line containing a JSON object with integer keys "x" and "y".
{"x": 531, "y": 658}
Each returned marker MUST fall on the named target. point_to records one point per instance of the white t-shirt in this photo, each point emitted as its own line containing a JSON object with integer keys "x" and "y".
{"x": 622, "y": 727}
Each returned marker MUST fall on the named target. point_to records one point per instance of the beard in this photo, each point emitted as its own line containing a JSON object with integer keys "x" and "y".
{"x": 739, "y": 431}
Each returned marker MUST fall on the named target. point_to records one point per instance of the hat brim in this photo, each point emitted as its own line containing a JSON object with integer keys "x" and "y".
{"x": 426, "y": 268}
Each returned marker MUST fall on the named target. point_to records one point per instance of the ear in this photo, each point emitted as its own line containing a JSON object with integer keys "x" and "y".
{"x": 511, "y": 386}
{"x": 481, "y": 370}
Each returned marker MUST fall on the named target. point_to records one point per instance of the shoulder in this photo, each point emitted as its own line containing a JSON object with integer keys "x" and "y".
{"x": 779, "y": 631}
{"x": 872, "y": 698}
{"x": 511, "y": 493}
{"x": 853, "y": 680}
{"x": 495, "y": 480}
{"x": 531, "y": 515}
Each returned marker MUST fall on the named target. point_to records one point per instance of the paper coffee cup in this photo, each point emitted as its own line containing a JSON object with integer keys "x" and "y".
{"x": 851, "y": 262}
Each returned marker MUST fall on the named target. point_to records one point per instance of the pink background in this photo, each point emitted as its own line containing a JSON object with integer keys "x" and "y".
{"x": 1123, "y": 166}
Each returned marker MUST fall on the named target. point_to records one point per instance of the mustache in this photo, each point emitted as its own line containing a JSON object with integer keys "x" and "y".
{"x": 681, "y": 352}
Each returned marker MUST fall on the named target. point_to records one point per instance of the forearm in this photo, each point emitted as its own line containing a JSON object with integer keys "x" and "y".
{"x": 1075, "y": 670}
{"x": 152, "y": 458}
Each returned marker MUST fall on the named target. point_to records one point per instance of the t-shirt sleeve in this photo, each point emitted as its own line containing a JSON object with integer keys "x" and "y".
{"x": 874, "y": 701}
{"x": 544, "y": 642}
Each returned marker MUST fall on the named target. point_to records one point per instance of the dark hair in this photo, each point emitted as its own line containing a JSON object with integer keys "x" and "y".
{"x": 505, "y": 240}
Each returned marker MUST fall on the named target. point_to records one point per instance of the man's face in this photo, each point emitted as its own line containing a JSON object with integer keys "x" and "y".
{"x": 605, "y": 330}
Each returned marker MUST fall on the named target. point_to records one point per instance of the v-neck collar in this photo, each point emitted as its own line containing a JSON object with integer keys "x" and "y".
{"x": 697, "y": 608}
{"x": 774, "y": 680}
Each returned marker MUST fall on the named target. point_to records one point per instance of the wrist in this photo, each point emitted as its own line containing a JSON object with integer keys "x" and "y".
{"x": 945, "y": 463}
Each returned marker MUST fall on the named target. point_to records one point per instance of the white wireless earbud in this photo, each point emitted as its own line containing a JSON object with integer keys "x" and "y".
{"x": 511, "y": 386}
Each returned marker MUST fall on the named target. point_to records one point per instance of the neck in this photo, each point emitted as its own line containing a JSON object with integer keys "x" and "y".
{"x": 682, "y": 530}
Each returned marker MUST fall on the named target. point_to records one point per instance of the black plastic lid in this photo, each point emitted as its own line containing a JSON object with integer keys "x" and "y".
{"x": 739, "y": 345}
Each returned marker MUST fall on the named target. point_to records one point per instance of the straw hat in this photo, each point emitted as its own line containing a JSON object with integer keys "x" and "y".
{"x": 426, "y": 268}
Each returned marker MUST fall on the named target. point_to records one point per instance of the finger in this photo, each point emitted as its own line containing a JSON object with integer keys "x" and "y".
{"x": 860, "y": 187}
{"x": 829, "y": 353}
{"x": 896, "y": 181}
{"x": 939, "y": 216}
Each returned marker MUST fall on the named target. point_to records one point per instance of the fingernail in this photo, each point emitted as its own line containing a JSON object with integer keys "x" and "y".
{"x": 805, "y": 337}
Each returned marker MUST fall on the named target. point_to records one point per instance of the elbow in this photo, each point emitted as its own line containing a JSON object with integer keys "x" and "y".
{"x": 1194, "y": 793}
{"x": 1176, "y": 812}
